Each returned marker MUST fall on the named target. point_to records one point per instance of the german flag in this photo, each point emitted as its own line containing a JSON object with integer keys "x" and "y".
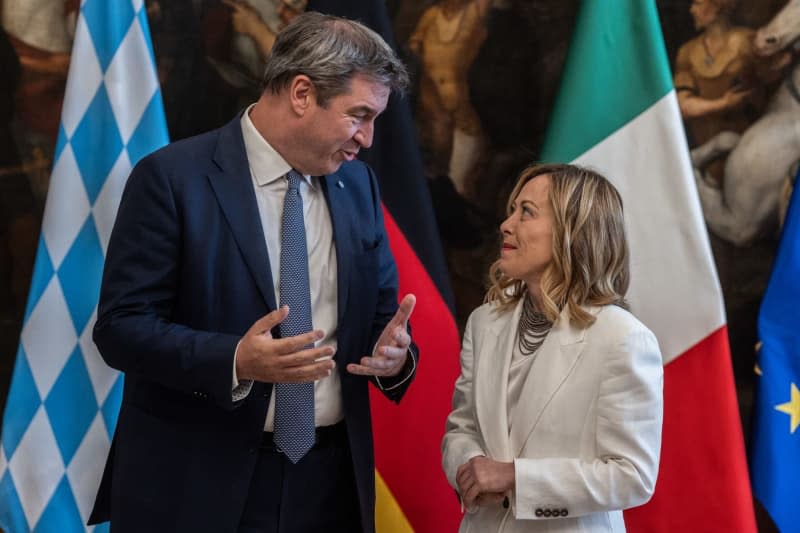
{"x": 412, "y": 492}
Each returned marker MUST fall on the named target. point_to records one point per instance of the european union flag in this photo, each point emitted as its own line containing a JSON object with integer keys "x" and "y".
{"x": 775, "y": 456}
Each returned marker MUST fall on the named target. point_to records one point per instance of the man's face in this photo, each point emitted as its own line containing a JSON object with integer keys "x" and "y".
{"x": 335, "y": 133}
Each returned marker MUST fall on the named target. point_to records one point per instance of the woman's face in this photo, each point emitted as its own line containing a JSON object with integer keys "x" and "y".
{"x": 704, "y": 12}
{"x": 527, "y": 247}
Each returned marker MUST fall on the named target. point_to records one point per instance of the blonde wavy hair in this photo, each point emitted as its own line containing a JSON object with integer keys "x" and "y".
{"x": 590, "y": 253}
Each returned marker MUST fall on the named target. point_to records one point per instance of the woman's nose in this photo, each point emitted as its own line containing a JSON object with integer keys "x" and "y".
{"x": 506, "y": 225}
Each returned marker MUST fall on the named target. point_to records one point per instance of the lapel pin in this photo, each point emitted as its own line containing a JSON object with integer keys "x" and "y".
{"x": 340, "y": 184}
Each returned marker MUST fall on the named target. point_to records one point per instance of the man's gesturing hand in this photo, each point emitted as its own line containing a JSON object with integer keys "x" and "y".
{"x": 391, "y": 349}
{"x": 261, "y": 357}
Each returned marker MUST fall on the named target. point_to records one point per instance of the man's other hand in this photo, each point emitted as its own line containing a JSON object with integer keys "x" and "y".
{"x": 391, "y": 350}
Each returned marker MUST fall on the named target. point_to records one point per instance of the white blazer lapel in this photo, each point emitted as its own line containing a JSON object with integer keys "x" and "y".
{"x": 557, "y": 357}
{"x": 491, "y": 383}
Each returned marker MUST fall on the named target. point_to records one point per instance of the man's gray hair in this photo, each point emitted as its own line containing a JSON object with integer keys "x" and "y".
{"x": 331, "y": 51}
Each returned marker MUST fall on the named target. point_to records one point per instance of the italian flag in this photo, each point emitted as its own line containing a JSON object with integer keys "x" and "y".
{"x": 617, "y": 112}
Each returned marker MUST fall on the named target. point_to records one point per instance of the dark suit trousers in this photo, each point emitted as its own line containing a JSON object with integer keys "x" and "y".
{"x": 318, "y": 494}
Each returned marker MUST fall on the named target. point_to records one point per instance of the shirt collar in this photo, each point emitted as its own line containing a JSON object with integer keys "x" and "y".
{"x": 266, "y": 164}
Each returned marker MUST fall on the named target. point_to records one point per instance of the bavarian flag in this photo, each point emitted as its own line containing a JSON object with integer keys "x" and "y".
{"x": 63, "y": 401}
{"x": 412, "y": 492}
{"x": 775, "y": 446}
{"x": 617, "y": 112}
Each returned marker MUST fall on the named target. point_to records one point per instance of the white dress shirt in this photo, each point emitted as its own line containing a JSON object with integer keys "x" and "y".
{"x": 268, "y": 171}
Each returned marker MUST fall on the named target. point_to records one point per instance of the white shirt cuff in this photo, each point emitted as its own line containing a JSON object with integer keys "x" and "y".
{"x": 406, "y": 378}
{"x": 239, "y": 390}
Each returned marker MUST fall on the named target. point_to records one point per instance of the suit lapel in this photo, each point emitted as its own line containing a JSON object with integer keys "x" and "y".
{"x": 491, "y": 383}
{"x": 341, "y": 220}
{"x": 557, "y": 357}
{"x": 233, "y": 186}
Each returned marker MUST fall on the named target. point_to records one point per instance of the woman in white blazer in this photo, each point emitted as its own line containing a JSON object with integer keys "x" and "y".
{"x": 556, "y": 421}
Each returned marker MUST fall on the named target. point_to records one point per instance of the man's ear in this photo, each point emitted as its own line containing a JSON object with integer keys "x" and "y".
{"x": 301, "y": 94}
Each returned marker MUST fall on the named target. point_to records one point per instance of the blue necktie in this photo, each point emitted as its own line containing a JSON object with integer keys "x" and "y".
{"x": 294, "y": 402}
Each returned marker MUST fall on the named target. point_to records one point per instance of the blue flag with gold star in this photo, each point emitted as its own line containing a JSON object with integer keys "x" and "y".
{"x": 775, "y": 447}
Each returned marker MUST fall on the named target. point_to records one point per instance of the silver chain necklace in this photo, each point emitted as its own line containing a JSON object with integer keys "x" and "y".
{"x": 532, "y": 329}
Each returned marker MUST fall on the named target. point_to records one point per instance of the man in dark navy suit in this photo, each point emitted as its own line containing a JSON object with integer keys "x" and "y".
{"x": 231, "y": 420}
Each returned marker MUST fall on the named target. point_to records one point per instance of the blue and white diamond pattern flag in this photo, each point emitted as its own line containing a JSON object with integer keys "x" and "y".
{"x": 63, "y": 400}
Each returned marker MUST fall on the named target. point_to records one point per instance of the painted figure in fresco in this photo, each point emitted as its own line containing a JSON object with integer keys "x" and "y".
{"x": 720, "y": 80}
{"x": 255, "y": 24}
{"x": 447, "y": 39}
{"x": 778, "y": 35}
{"x": 41, "y": 32}
{"x": 761, "y": 158}
{"x": 218, "y": 46}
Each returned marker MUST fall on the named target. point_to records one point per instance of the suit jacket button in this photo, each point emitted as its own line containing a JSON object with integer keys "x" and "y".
{"x": 539, "y": 513}
{"x": 564, "y": 512}
{"x": 505, "y": 502}
{"x": 547, "y": 513}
